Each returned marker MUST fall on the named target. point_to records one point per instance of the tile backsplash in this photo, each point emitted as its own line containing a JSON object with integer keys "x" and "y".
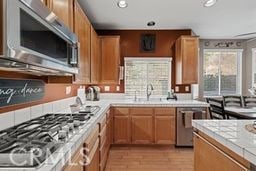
{"x": 12, "y": 118}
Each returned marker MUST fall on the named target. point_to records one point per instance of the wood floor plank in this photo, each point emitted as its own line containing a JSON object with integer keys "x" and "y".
{"x": 150, "y": 159}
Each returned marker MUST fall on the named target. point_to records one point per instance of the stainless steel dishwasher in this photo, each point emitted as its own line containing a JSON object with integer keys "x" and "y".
{"x": 184, "y": 135}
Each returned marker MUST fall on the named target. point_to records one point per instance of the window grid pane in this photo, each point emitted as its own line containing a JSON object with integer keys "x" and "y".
{"x": 229, "y": 73}
{"x": 221, "y": 73}
{"x": 211, "y": 73}
{"x": 139, "y": 73}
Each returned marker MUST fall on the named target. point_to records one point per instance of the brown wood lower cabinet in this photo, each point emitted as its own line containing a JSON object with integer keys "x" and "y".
{"x": 87, "y": 157}
{"x": 122, "y": 130}
{"x": 77, "y": 162}
{"x": 104, "y": 137}
{"x": 94, "y": 163}
{"x": 142, "y": 129}
{"x": 165, "y": 130}
{"x": 124, "y": 126}
{"x": 91, "y": 144}
{"x": 209, "y": 157}
{"x": 144, "y": 125}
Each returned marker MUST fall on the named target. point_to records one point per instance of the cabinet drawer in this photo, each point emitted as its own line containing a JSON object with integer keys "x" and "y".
{"x": 103, "y": 161}
{"x": 103, "y": 153}
{"x": 93, "y": 150}
{"x": 76, "y": 159}
{"x": 102, "y": 123}
{"x": 92, "y": 138}
{"x": 121, "y": 111}
{"x": 165, "y": 111}
{"x": 103, "y": 149}
{"x": 141, "y": 111}
{"x": 103, "y": 135}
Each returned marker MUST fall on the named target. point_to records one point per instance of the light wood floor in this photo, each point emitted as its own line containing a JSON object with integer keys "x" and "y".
{"x": 150, "y": 159}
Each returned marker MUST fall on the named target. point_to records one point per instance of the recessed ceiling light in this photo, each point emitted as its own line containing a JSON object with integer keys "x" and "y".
{"x": 151, "y": 23}
{"x": 210, "y": 3}
{"x": 122, "y": 4}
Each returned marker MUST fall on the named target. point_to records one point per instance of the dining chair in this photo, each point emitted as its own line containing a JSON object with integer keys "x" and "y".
{"x": 216, "y": 108}
{"x": 249, "y": 101}
{"x": 235, "y": 101}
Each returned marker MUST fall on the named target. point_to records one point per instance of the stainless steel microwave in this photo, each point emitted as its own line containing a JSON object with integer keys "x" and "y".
{"x": 34, "y": 40}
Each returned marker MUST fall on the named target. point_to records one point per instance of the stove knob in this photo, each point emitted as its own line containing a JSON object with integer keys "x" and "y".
{"x": 71, "y": 126}
{"x": 62, "y": 134}
{"x": 77, "y": 123}
{"x": 65, "y": 128}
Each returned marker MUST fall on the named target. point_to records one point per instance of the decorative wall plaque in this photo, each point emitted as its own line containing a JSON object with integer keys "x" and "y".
{"x": 20, "y": 91}
{"x": 147, "y": 43}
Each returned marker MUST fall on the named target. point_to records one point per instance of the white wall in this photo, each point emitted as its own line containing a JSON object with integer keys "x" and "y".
{"x": 247, "y": 72}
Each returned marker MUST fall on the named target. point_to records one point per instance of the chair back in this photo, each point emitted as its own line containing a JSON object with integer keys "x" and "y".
{"x": 249, "y": 101}
{"x": 216, "y": 108}
{"x": 233, "y": 101}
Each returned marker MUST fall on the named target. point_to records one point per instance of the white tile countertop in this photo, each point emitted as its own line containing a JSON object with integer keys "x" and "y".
{"x": 58, "y": 159}
{"x": 232, "y": 134}
{"x": 154, "y": 103}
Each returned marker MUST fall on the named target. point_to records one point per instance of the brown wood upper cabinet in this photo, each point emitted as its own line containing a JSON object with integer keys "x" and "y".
{"x": 110, "y": 59}
{"x": 187, "y": 60}
{"x": 63, "y": 9}
{"x": 95, "y": 57}
{"x": 82, "y": 29}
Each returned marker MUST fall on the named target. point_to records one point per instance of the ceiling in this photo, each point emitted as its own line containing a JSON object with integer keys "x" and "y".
{"x": 224, "y": 20}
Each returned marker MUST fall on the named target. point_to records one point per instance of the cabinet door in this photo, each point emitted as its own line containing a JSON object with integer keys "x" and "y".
{"x": 142, "y": 129}
{"x": 77, "y": 162}
{"x": 83, "y": 31}
{"x": 165, "y": 130}
{"x": 187, "y": 60}
{"x": 110, "y": 59}
{"x": 95, "y": 57}
{"x": 95, "y": 162}
{"x": 207, "y": 157}
{"x": 121, "y": 130}
{"x": 63, "y": 9}
{"x": 111, "y": 128}
{"x": 190, "y": 60}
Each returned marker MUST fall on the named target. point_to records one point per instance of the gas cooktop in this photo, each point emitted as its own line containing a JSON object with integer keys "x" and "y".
{"x": 30, "y": 143}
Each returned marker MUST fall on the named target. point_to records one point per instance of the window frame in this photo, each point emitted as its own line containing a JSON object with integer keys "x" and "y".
{"x": 239, "y": 70}
{"x": 167, "y": 59}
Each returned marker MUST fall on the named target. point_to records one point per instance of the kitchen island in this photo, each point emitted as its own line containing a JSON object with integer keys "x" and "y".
{"x": 224, "y": 145}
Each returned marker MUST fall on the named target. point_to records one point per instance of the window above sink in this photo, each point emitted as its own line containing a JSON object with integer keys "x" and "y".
{"x": 142, "y": 71}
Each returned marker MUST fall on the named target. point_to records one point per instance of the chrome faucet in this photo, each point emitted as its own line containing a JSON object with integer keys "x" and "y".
{"x": 149, "y": 86}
